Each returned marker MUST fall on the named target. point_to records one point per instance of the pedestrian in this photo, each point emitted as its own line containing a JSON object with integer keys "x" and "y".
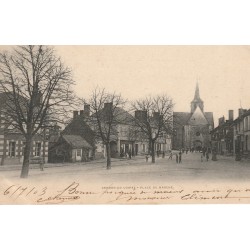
{"x": 177, "y": 158}
{"x": 41, "y": 164}
{"x": 163, "y": 154}
{"x": 170, "y": 156}
{"x": 147, "y": 158}
{"x": 186, "y": 150}
{"x": 130, "y": 154}
{"x": 207, "y": 155}
{"x": 180, "y": 153}
{"x": 202, "y": 157}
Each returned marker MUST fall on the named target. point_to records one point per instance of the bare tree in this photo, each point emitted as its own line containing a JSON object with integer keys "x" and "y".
{"x": 37, "y": 88}
{"x": 107, "y": 113}
{"x": 153, "y": 119}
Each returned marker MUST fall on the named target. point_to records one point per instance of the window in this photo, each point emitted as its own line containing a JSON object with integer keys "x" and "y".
{"x": 38, "y": 149}
{"x": 12, "y": 148}
{"x": 78, "y": 152}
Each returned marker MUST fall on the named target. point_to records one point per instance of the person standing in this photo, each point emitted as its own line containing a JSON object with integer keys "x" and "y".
{"x": 177, "y": 158}
{"x": 180, "y": 153}
{"x": 170, "y": 156}
{"x": 207, "y": 155}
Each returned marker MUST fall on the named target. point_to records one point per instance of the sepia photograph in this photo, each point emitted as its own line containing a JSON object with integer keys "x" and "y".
{"x": 124, "y": 124}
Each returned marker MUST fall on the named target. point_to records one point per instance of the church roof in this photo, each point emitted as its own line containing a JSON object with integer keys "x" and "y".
{"x": 210, "y": 118}
{"x": 182, "y": 118}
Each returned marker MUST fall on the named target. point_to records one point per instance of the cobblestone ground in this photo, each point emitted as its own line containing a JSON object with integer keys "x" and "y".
{"x": 164, "y": 170}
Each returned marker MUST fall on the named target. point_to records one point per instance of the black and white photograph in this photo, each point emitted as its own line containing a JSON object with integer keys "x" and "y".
{"x": 124, "y": 124}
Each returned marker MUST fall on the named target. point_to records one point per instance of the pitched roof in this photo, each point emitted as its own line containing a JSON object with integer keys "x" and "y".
{"x": 210, "y": 118}
{"x": 19, "y": 136}
{"x": 78, "y": 126}
{"x": 121, "y": 115}
{"x": 76, "y": 141}
{"x": 181, "y": 118}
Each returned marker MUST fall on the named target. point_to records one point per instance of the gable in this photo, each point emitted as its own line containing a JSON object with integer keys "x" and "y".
{"x": 78, "y": 126}
{"x": 198, "y": 118}
{"x": 180, "y": 118}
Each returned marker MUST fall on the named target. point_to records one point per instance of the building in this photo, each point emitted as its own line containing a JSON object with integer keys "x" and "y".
{"x": 192, "y": 129}
{"x": 241, "y": 132}
{"x": 223, "y": 135}
{"x": 125, "y": 138}
{"x": 12, "y": 141}
{"x": 76, "y": 143}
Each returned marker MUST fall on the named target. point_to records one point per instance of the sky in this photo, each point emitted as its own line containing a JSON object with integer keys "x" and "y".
{"x": 223, "y": 73}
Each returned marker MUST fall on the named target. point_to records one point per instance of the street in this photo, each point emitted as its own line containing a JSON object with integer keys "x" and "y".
{"x": 191, "y": 170}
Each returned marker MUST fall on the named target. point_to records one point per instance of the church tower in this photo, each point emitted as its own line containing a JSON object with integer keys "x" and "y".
{"x": 197, "y": 100}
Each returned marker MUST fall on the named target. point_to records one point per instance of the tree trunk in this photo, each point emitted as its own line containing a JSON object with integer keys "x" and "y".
{"x": 26, "y": 159}
{"x": 153, "y": 151}
{"x": 108, "y": 156}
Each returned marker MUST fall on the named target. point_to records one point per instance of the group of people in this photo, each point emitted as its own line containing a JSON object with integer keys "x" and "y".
{"x": 178, "y": 156}
{"x": 205, "y": 153}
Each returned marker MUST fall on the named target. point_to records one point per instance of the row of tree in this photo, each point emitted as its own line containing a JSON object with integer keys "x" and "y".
{"x": 38, "y": 89}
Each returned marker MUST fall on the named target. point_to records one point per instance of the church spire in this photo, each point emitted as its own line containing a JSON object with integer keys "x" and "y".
{"x": 197, "y": 92}
{"x": 197, "y": 101}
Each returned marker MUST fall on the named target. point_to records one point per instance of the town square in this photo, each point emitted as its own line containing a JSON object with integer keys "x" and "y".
{"x": 52, "y": 126}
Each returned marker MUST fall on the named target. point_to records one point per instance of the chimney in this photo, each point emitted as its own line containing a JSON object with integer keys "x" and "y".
{"x": 141, "y": 115}
{"x": 156, "y": 115}
{"x": 107, "y": 110}
{"x": 230, "y": 115}
{"x": 221, "y": 120}
{"x": 108, "y": 105}
{"x": 75, "y": 113}
{"x": 241, "y": 112}
{"x": 86, "y": 111}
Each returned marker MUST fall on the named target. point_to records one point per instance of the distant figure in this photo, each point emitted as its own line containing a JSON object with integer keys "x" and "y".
{"x": 163, "y": 154}
{"x": 180, "y": 153}
{"x": 41, "y": 165}
{"x": 147, "y": 158}
{"x": 130, "y": 155}
{"x": 177, "y": 158}
{"x": 186, "y": 151}
{"x": 207, "y": 155}
{"x": 170, "y": 156}
{"x": 202, "y": 157}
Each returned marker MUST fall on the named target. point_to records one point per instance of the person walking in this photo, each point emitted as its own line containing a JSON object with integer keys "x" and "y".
{"x": 147, "y": 158}
{"x": 177, "y": 158}
{"x": 130, "y": 154}
{"x": 170, "y": 156}
{"x": 180, "y": 153}
{"x": 207, "y": 155}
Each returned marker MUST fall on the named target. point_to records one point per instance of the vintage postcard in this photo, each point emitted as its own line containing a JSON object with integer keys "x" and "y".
{"x": 124, "y": 124}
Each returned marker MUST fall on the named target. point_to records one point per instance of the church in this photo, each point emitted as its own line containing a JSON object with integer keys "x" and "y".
{"x": 192, "y": 129}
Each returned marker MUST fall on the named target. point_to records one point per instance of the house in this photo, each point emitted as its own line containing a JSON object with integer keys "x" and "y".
{"x": 71, "y": 148}
{"x": 241, "y": 132}
{"x": 223, "y": 135}
{"x": 192, "y": 129}
{"x": 122, "y": 137}
{"x": 163, "y": 142}
{"x": 76, "y": 142}
{"x": 12, "y": 141}
{"x": 126, "y": 136}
